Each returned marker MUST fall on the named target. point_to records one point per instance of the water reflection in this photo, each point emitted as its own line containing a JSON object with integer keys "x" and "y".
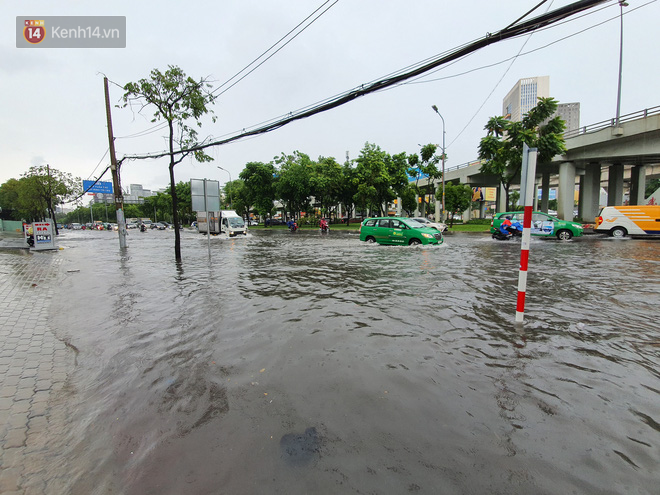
{"x": 306, "y": 363}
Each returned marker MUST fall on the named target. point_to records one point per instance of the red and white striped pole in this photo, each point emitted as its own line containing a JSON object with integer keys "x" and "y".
{"x": 528, "y": 174}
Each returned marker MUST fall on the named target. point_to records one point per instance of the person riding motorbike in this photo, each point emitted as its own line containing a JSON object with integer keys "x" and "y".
{"x": 324, "y": 225}
{"x": 506, "y": 224}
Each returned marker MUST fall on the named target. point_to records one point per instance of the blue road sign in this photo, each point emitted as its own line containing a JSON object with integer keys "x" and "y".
{"x": 100, "y": 187}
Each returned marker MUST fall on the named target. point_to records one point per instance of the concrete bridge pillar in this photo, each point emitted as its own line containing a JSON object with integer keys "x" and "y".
{"x": 417, "y": 206}
{"x": 615, "y": 185}
{"x": 545, "y": 191}
{"x": 501, "y": 199}
{"x": 535, "y": 202}
{"x": 637, "y": 184}
{"x": 590, "y": 192}
{"x": 566, "y": 191}
{"x": 398, "y": 207}
{"x": 437, "y": 189}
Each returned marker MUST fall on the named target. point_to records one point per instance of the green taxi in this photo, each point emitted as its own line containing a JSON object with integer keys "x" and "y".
{"x": 543, "y": 225}
{"x": 398, "y": 231}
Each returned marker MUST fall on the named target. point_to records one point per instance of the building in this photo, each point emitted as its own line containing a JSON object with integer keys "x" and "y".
{"x": 569, "y": 113}
{"x": 524, "y": 96}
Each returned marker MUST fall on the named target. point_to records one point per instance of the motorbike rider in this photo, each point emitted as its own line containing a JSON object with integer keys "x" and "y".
{"x": 506, "y": 225}
{"x": 324, "y": 225}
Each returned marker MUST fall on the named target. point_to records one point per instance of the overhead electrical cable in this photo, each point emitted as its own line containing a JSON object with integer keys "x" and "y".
{"x": 491, "y": 38}
{"x": 501, "y": 78}
{"x": 273, "y": 46}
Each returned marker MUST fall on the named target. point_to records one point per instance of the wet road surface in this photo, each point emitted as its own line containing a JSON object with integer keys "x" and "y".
{"x": 310, "y": 363}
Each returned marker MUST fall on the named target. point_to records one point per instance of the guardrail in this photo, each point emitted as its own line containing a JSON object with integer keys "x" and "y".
{"x": 599, "y": 126}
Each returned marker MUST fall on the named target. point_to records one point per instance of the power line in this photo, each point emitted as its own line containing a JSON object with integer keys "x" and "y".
{"x": 513, "y": 59}
{"x": 503, "y": 75}
{"x": 273, "y": 46}
{"x": 491, "y": 38}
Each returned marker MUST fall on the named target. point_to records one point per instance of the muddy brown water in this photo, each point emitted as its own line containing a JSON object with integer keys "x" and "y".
{"x": 309, "y": 363}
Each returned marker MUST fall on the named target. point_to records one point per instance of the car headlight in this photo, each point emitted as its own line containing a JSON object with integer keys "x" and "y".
{"x": 428, "y": 236}
{"x": 579, "y": 226}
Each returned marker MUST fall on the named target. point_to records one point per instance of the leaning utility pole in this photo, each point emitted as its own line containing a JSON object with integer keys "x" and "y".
{"x": 119, "y": 197}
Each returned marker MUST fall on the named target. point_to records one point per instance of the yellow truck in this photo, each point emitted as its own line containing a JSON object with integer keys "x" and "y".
{"x": 620, "y": 221}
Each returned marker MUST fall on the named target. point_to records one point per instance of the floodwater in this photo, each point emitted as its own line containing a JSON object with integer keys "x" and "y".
{"x": 309, "y": 363}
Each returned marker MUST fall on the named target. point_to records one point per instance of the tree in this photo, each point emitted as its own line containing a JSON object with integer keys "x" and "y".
{"x": 409, "y": 199}
{"x": 502, "y": 147}
{"x": 9, "y": 199}
{"x": 326, "y": 182}
{"x": 348, "y": 188}
{"x": 293, "y": 184}
{"x": 651, "y": 187}
{"x": 41, "y": 189}
{"x": 424, "y": 166}
{"x": 177, "y": 100}
{"x": 458, "y": 198}
{"x": 380, "y": 177}
{"x": 259, "y": 187}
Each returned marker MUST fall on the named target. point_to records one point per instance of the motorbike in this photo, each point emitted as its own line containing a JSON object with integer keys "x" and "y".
{"x": 324, "y": 227}
{"x": 143, "y": 228}
{"x": 515, "y": 230}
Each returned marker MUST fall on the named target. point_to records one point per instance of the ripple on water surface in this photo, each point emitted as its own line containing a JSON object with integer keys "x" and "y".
{"x": 293, "y": 363}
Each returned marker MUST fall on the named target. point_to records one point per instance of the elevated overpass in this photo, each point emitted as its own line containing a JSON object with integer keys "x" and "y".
{"x": 602, "y": 154}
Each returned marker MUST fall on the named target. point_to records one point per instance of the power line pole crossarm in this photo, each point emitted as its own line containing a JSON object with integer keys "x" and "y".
{"x": 118, "y": 196}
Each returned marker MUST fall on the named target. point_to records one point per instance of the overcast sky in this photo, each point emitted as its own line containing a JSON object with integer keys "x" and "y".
{"x": 52, "y": 100}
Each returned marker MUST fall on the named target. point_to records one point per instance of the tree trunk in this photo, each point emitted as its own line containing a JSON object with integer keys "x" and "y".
{"x": 175, "y": 203}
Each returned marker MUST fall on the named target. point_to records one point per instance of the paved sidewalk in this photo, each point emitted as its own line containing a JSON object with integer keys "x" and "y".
{"x": 34, "y": 366}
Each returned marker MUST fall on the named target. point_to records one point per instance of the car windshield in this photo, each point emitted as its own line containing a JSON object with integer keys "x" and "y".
{"x": 414, "y": 223}
{"x": 421, "y": 220}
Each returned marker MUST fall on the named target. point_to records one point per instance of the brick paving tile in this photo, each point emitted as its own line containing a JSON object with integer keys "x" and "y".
{"x": 34, "y": 365}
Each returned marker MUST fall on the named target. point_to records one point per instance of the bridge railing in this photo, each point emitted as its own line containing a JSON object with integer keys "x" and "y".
{"x": 599, "y": 126}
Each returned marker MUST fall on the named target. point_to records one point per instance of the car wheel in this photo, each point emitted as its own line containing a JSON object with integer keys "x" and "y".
{"x": 618, "y": 232}
{"x": 370, "y": 240}
{"x": 414, "y": 242}
{"x": 564, "y": 235}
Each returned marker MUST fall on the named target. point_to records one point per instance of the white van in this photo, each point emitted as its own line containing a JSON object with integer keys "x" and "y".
{"x": 619, "y": 221}
{"x": 222, "y": 222}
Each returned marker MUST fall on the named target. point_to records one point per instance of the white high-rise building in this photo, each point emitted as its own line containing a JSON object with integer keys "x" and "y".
{"x": 524, "y": 96}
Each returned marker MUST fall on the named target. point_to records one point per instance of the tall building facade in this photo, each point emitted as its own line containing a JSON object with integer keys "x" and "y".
{"x": 524, "y": 96}
{"x": 569, "y": 113}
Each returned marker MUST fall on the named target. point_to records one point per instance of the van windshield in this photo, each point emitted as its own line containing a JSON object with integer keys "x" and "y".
{"x": 236, "y": 222}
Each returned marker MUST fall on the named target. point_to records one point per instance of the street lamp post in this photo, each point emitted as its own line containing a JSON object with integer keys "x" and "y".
{"x": 231, "y": 204}
{"x": 435, "y": 109}
{"x": 622, "y": 4}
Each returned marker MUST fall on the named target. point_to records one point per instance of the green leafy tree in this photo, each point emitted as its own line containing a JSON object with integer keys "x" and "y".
{"x": 422, "y": 166}
{"x": 177, "y": 100}
{"x": 52, "y": 187}
{"x": 259, "y": 187}
{"x": 348, "y": 188}
{"x": 235, "y": 197}
{"x": 651, "y": 187}
{"x": 409, "y": 199}
{"x": 294, "y": 181}
{"x": 502, "y": 147}
{"x": 380, "y": 177}
{"x": 458, "y": 198}
{"x": 514, "y": 197}
{"x": 326, "y": 182}
{"x": 9, "y": 199}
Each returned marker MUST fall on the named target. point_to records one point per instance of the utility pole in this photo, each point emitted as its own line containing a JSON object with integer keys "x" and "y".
{"x": 119, "y": 197}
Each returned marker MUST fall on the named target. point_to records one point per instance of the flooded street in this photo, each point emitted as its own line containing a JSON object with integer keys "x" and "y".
{"x": 308, "y": 363}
